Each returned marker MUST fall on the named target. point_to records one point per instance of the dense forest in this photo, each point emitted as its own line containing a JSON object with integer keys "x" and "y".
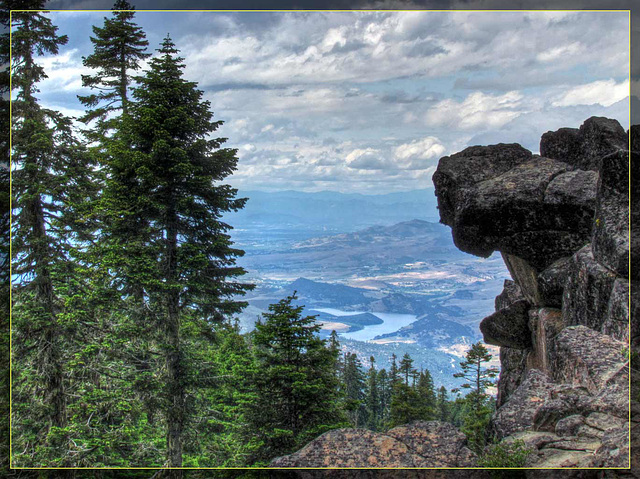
{"x": 125, "y": 285}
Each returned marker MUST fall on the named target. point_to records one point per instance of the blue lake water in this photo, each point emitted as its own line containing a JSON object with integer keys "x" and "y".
{"x": 392, "y": 322}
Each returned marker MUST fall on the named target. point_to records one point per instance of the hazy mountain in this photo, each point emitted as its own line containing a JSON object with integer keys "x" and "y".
{"x": 332, "y": 211}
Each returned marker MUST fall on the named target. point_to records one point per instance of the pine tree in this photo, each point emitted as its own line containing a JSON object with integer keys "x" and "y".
{"x": 404, "y": 405}
{"x": 478, "y": 406}
{"x": 119, "y": 47}
{"x": 354, "y": 387}
{"x": 5, "y": 215}
{"x": 51, "y": 186}
{"x": 406, "y": 368}
{"x": 295, "y": 382}
{"x": 426, "y": 396}
{"x": 384, "y": 386}
{"x": 373, "y": 401}
{"x": 182, "y": 259}
{"x": 442, "y": 405}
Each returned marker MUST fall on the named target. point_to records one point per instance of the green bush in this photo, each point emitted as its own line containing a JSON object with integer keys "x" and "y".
{"x": 506, "y": 455}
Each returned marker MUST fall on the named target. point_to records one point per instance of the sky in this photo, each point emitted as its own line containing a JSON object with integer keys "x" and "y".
{"x": 368, "y": 102}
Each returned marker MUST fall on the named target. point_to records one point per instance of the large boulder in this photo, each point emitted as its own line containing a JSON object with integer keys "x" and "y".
{"x": 419, "y": 444}
{"x": 511, "y": 293}
{"x": 512, "y": 368}
{"x": 508, "y": 327}
{"x": 587, "y": 291}
{"x": 611, "y": 226}
{"x": 518, "y": 412}
{"x": 583, "y": 147}
{"x": 470, "y": 166}
{"x": 533, "y": 208}
{"x": 550, "y": 283}
{"x": 544, "y": 324}
{"x": 587, "y": 358}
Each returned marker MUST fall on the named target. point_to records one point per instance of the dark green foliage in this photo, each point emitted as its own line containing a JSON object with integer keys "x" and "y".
{"x": 443, "y": 412}
{"x": 183, "y": 259}
{"x": 506, "y": 455}
{"x": 119, "y": 46}
{"x": 295, "y": 382}
{"x": 373, "y": 403}
{"x": 354, "y": 386}
{"x": 478, "y": 404}
{"x": 51, "y": 185}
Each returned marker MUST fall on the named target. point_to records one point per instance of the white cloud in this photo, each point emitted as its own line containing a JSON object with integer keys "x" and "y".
{"x": 478, "y": 110}
{"x": 365, "y": 159}
{"x": 560, "y": 52}
{"x": 415, "y": 155}
{"x": 602, "y": 92}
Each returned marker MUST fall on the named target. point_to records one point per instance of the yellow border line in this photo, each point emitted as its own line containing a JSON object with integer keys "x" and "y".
{"x": 11, "y": 467}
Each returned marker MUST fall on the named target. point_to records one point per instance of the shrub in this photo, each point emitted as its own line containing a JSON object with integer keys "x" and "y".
{"x": 506, "y": 455}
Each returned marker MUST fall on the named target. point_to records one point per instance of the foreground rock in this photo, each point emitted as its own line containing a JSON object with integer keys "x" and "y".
{"x": 419, "y": 444}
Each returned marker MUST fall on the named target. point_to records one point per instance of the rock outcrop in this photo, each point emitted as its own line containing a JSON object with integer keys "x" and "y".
{"x": 561, "y": 222}
{"x": 419, "y": 444}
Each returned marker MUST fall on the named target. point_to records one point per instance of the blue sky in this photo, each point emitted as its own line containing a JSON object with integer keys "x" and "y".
{"x": 369, "y": 101}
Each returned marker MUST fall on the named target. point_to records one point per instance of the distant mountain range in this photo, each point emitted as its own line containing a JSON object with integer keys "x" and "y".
{"x": 372, "y": 248}
{"x": 333, "y": 211}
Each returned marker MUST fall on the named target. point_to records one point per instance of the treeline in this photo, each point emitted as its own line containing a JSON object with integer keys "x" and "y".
{"x": 125, "y": 285}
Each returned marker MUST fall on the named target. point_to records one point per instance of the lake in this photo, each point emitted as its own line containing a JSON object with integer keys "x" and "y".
{"x": 392, "y": 322}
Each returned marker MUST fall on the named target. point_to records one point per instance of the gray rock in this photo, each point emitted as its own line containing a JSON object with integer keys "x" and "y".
{"x": 573, "y": 187}
{"x": 525, "y": 276}
{"x": 635, "y": 215}
{"x": 587, "y": 291}
{"x": 512, "y": 370}
{"x": 616, "y": 323}
{"x": 570, "y": 425}
{"x": 533, "y": 208}
{"x": 614, "y": 450}
{"x": 419, "y": 444}
{"x": 550, "y": 413}
{"x": 511, "y": 293}
{"x": 551, "y": 282}
{"x": 584, "y": 357}
{"x": 518, "y": 412}
{"x": 604, "y": 422}
{"x": 437, "y": 443}
{"x": 508, "y": 327}
{"x": 610, "y": 237}
{"x": 582, "y": 148}
{"x": 468, "y": 167}
{"x": 544, "y": 324}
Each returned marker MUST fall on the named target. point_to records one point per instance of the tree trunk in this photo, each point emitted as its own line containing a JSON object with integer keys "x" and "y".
{"x": 176, "y": 375}
{"x": 50, "y": 364}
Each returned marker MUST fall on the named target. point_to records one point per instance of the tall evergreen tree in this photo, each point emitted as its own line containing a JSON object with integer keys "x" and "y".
{"x": 184, "y": 260}
{"x": 355, "y": 390}
{"x": 51, "y": 185}
{"x": 372, "y": 401}
{"x": 426, "y": 396}
{"x": 119, "y": 47}
{"x": 478, "y": 377}
{"x": 442, "y": 405}
{"x": 295, "y": 382}
{"x": 384, "y": 386}
{"x": 405, "y": 404}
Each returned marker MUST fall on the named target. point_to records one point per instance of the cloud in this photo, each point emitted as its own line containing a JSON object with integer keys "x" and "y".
{"x": 602, "y": 92}
{"x": 416, "y": 154}
{"x": 477, "y": 110}
{"x": 560, "y": 52}
{"x": 365, "y": 159}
